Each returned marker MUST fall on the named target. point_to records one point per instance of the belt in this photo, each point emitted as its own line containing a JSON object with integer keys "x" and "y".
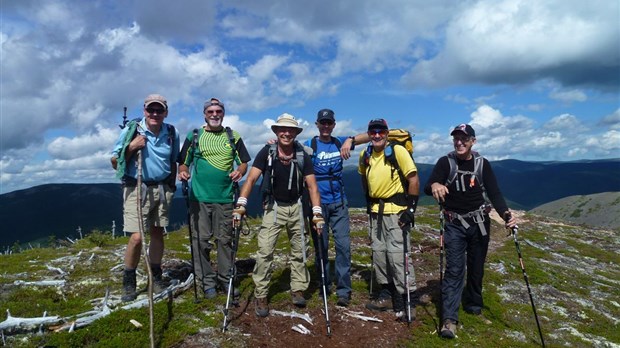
{"x": 478, "y": 216}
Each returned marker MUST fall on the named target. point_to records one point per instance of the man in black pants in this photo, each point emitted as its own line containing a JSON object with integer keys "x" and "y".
{"x": 463, "y": 193}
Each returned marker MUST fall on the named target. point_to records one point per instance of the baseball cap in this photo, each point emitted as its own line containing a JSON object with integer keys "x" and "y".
{"x": 155, "y": 98}
{"x": 325, "y": 114}
{"x": 213, "y": 101}
{"x": 377, "y": 123}
{"x": 464, "y": 128}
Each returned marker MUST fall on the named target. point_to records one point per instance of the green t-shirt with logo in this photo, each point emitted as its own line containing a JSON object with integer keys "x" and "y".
{"x": 212, "y": 161}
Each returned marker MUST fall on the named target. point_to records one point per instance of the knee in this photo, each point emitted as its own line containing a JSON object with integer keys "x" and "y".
{"x": 135, "y": 240}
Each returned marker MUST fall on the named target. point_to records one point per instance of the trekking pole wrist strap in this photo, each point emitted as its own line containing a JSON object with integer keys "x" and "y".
{"x": 413, "y": 203}
{"x": 317, "y": 210}
{"x": 242, "y": 201}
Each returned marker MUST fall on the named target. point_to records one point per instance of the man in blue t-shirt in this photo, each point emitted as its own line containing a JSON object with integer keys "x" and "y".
{"x": 328, "y": 163}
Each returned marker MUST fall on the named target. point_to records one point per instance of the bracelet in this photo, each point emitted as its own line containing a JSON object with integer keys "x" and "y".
{"x": 317, "y": 210}
{"x": 242, "y": 201}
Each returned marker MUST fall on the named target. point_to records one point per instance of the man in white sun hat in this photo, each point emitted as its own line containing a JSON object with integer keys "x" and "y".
{"x": 286, "y": 168}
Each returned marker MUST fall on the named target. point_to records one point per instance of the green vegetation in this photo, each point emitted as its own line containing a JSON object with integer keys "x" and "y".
{"x": 573, "y": 274}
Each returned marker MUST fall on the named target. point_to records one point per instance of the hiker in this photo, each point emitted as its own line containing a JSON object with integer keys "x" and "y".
{"x": 328, "y": 165}
{"x": 467, "y": 223}
{"x": 212, "y": 151}
{"x": 284, "y": 176}
{"x": 159, "y": 143}
{"x": 393, "y": 196}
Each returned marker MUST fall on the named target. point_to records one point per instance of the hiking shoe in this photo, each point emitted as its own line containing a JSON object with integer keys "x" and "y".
{"x": 210, "y": 293}
{"x": 235, "y": 292}
{"x": 261, "y": 307}
{"x": 129, "y": 286}
{"x": 343, "y": 301}
{"x": 160, "y": 285}
{"x": 448, "y": 330}
{"x": 298, "y": 299}
{"x": 478, "y": 314}
{"x": 380, "y": 304}
{"x": 402, "y": 315}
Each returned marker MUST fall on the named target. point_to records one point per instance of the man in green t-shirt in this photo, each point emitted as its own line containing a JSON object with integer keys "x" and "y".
{"x": 212, "y": 151}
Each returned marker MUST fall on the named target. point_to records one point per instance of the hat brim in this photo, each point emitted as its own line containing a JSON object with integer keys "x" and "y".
{"x": 459, "y": 131}
{"x": 155, "y": 102}
{"x": 275, "y": 127}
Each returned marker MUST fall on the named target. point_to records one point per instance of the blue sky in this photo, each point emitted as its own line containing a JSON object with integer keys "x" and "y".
{"x": 538, "y": 80}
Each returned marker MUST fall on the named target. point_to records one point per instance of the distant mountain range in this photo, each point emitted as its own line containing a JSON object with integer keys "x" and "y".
{"x": 59, "y": 209}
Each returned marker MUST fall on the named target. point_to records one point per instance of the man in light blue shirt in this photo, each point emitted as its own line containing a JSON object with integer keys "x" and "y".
{"x": 159, "y": 143}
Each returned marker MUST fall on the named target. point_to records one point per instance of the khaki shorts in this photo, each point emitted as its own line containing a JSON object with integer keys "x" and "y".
{"x": 155, "y": 207}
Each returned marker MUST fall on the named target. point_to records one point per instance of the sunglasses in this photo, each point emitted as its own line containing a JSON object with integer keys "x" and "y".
{"x": 218, "y": 111}
{"x": 462, "y": 139}
{"x": 381, "y": 132}
{"x": 159, "y": 111}
{"x": 326, "y": 122}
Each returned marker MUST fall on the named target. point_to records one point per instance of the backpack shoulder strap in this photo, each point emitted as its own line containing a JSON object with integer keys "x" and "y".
{"x": 453, "y": 168}
{"x": 337, "y": 142}
{"x": 231, "y": 140}
{"x": 478, "y": 164}
{"x": 390, "y": 156}
{"x": 313, "y": 145}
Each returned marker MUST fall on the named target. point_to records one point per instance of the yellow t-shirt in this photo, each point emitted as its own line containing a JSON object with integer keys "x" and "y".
{"x": 382, "y": 183}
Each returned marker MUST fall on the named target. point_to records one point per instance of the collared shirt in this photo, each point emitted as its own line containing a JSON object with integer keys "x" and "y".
{"x": 158, "y": 154}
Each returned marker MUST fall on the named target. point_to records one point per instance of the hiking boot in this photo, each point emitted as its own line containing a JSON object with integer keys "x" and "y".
{"x": 210, "y": 293}
{"x": 448, "y": 330}
{"x": 398, "y": 302}
{"x": 159, "y": 285}
{"x": 129, "y": 286}
{"x": 321, "y": 294}
{"x": 235, "y": 290}
{"x": 379, "y": 304}
{"x": 261, "y": 307}
{"x": 343, "y": 301}
{"x": 478, "y": 314}
{"x": 298, "y": 299}
{"x": 402, "y": 316}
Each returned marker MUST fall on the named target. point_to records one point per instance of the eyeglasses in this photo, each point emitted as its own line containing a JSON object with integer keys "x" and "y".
{"x": 155, "y": 110}
{"x": 462, "y": 139}
{"x": 218, "y": 111}
{"x": 326, "y": 122}
{"x": 381, "y": 132}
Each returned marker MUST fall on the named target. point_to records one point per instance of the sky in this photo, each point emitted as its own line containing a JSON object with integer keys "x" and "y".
{"x": 538, "y": 80}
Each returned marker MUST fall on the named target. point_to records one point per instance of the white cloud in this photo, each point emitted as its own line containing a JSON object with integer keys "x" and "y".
{"x": 515, "y": 41}
{"x": 573, "y": 95}
{"x": 102, "y": 140}
{"x": 612, "y": 120}
{"x": 565, "y": 122}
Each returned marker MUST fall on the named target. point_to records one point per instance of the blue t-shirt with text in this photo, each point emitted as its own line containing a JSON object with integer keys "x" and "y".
{"x": 328, "y": 170}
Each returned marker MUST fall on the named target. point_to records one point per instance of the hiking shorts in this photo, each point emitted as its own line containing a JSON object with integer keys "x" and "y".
{"x": 156, "y": 204}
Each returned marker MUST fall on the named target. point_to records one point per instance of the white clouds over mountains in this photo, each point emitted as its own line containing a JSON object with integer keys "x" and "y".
{"x": 68, "y": 67}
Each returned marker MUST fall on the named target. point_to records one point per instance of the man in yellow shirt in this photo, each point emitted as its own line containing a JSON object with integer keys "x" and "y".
{"x": 393, "y": 195}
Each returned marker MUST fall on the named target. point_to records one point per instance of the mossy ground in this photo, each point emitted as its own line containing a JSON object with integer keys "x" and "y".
{"x": 573, "y": 275}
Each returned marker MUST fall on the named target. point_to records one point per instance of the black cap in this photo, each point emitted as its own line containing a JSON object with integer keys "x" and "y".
{"x": 325, "y": 114}
{"x": 464, "y": 128}
{"x": 377, "y": 123}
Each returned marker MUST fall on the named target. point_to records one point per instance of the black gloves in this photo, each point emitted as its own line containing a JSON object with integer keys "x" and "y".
{"x": 407, "y": 217}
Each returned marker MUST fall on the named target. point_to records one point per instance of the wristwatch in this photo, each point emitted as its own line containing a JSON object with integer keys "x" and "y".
{"x": 352, "y": 140}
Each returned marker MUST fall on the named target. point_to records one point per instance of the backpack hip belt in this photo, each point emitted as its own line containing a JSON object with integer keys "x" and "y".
{"x": 478, "y": 216}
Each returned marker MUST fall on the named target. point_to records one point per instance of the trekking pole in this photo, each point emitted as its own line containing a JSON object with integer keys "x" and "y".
{"x": 515, "y": 230}
{"x": 329, "y": 328}
{"x": 442, "y": 227}
{"x": 232, "y": 273}
{"x": 303, "y": 229}
{"x": 191, "y": 235}
{"x": 406, "y": 261}
{"x": 146, "y": 256}
{"x": 372, "y": 258}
